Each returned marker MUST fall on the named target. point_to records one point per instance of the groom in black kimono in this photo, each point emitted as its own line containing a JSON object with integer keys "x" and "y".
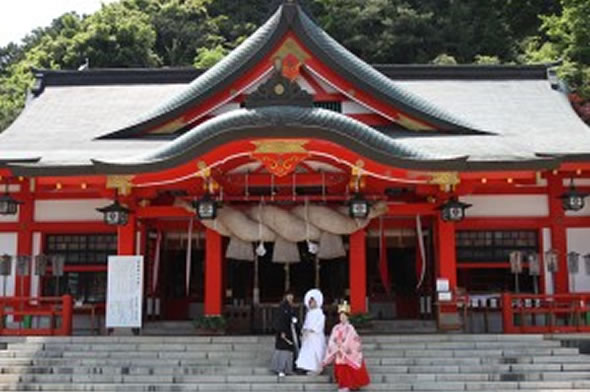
{"x": 286, "y": 342}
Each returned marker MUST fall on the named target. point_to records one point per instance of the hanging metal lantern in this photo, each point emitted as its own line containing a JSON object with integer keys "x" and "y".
{"x": 572, "y": 200}
{"x": 23, "y": 265}
{"x": 516, "y": 262}
{"x": 573, "y": 262}
{"x": 534, "y": 264}
{"x": 8, "y": 205}
{"x": 41, "y": 264}
{"x": 453, "y": 210}
{"x": 206, "y": 207}
{"x": 57, "y": 265}
{"x": 5, "y": 265}
{"x": 551, "y": 261}
{"x": 587, "y": 263}
{"x": 115, "y": 214}
{"x": 358, "y": 207}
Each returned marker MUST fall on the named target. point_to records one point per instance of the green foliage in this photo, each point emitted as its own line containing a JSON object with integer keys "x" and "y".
{"x": 444, "y": 59}
{"x": 486, "y": 60}
{"x": 210, "y": 323}
{"x": 360, "y": 320}
{"x": 207, "y": 58}
{"x": 566, "y": 37}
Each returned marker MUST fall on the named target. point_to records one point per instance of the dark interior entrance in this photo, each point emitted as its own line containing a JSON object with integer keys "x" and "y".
{"x": 175, "y": 302}
{"x": 404, "y": 269}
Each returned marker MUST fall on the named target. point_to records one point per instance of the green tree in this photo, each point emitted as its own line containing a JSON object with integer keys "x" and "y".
{"x": 566, "y": 37}
{"x": 379, "y": 31}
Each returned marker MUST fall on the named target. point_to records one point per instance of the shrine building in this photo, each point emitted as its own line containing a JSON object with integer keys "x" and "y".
{"x": 293, "y": 164}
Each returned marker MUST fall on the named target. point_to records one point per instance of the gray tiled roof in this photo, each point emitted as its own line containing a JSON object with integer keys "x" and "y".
{"x": 61, "y": 124}
{"x": 528, "y": 117}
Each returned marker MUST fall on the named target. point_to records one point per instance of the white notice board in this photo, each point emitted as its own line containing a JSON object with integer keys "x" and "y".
{"x": 124, "y": 291}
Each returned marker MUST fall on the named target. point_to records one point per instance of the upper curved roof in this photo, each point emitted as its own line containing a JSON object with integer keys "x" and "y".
{"x": 258, "y": 45}
{"x": 298, "y": 122}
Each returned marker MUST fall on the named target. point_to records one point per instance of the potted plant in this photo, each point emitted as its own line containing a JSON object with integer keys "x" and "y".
{"x": 361, "y": 321}
{"x": 210, "y": 325}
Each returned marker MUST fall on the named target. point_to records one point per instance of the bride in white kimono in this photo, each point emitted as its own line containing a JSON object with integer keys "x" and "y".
{"x": 313, "y": 346}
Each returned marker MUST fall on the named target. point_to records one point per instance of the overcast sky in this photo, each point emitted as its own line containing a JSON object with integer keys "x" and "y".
{"x": 19, "y": 17}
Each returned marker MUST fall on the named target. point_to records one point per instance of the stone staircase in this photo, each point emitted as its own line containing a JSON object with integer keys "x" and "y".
{"x": 239, "y": 363}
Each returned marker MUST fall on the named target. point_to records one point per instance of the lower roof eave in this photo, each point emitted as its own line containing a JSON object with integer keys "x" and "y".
{"x": 34, "y": 170}
{"x": 113, "y": 168}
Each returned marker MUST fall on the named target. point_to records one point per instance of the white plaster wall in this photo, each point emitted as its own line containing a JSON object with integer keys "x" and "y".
{"x": 578, "y": 240}
{"x": 351, "y": 107}
{"x": 577, "y": 182}
{"x": 506, "y": 205}
{"x": 9, "y": 218}
{"x": 8, "y": 245}
{"x": 304, "y": 84}
{"x": 546, "y": 246}
{"x": 69, "y": 210}
{"x": 327, "y": 87}
{"x": 228, "y": 107}
{"x": 35, "y": 280}
{"x": 583, "y": 212}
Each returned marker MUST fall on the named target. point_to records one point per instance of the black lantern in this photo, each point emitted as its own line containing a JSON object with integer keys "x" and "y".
{"x": 206, "y": 207}
{"x": 358, "y": 207}
{"x": 453, "y": 210}
{"x": 8, "y": 205}
{"x": 115, "y": 214}
{"x": 572, "y": 200}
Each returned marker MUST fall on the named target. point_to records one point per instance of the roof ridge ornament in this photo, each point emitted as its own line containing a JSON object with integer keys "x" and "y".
{"x": 290, "y": 10}
{"x": 279, "y": 91}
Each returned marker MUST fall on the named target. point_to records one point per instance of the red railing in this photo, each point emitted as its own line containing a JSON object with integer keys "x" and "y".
{"x": 53, "y": 313}
{"x": 530, "y": 313}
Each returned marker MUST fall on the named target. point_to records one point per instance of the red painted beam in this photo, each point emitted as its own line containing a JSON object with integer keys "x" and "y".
{"x": 152, "y": 212}
{"x": 446, "y": 251}
{"x": 358, "y": 272}
{"x": 412, "y": 209}
{"x": 25, "y": 238}
{"x": 213, "y": 274}
{"x": 558, "y": 233}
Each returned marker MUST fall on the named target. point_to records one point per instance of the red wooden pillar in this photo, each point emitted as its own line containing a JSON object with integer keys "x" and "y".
{"x": 127, "y": 236}
{"x": 213, "y": 274}
{"x": 358, "y": 272}
{"x": 558, "y": 233}
{"x": 446, "y": 252}
{"x": 25, "y": 237}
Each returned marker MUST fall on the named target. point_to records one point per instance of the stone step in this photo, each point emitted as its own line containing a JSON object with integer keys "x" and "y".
{"x": 266, "y": 377}
{"x": 50, "y": 346}
{"x": 229, "y": 354}
{"x": 262, "y": 339}
{"x": 78, "y": 368}
{"x": 462, "y": 365}
{"x": 296, "y": 385}
{"x": 227, "y": 363}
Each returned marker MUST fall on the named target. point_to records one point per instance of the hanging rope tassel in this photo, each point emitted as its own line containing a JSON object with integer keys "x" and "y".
{"x": 189, "y": 252}
{"x": 422, "y": 251}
